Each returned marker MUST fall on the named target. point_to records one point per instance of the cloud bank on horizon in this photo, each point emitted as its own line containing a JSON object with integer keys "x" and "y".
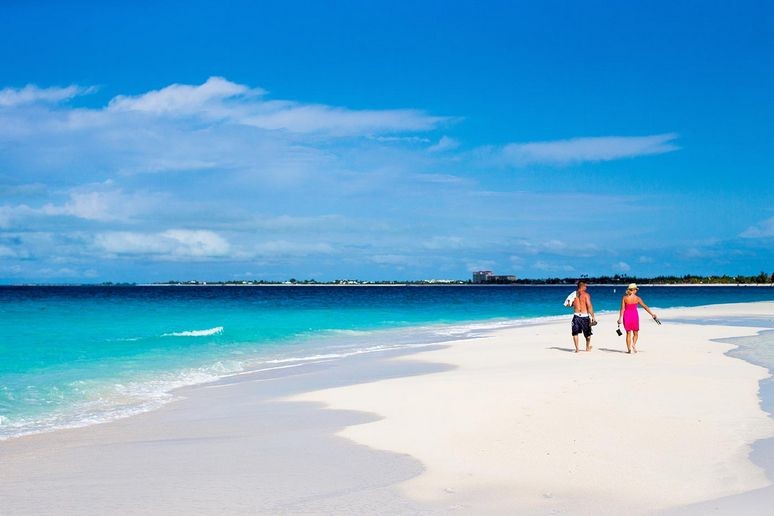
{"x": 219, "y": 180}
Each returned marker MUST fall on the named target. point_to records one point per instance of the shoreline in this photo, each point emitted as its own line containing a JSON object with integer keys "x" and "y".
{"x": 422, "y": 335}
{"x": 215, "y": 435}
{"x": 441, "y": 331}
{"x": 458, "y": 330}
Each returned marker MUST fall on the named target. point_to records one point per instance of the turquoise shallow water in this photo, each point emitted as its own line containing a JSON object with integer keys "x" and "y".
{"x": 71, "y": 356}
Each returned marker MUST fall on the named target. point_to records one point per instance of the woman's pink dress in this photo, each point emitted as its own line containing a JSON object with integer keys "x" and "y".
{"x": 631, "y": 318}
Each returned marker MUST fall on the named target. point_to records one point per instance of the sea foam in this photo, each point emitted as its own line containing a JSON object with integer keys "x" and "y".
{"x": 196, "y": 333}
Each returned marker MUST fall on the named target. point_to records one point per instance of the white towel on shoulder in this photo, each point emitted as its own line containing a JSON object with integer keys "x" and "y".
{"x": 570, "y": 298}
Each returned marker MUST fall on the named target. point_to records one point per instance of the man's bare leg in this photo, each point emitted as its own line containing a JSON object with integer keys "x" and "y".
{"x": 575, "y": 340}
{"x": 588, "y": 343}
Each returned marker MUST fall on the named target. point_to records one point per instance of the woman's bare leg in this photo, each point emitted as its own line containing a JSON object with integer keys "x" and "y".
{"x": 634, "y": 341}
{"x": 628, "y": 342}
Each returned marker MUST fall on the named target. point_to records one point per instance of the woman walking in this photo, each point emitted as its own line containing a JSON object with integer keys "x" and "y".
{"x": 630, "y": 317}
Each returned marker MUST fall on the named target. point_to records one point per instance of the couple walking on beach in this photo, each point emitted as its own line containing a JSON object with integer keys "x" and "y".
{"x": 583, "y": 315}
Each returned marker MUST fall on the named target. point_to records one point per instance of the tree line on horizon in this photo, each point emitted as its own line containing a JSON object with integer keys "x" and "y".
{"x": 690, "y": 279}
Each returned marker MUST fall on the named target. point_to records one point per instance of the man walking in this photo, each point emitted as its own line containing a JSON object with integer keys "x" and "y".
{"x": 583, "y": 318}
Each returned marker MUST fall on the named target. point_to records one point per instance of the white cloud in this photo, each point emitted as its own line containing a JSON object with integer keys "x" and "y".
{"x": 31, "y": 94}
{"x": 299, "y": 118}
{"x": 764, "y": 229}
{"x": 219, "y": 126}
{"x": 621, "y": 267}
{"x": 183, "y": 98}
{"x": 545, "y": 266}
{"x": 10, "y": 215}
{"x": 576, "y": 150}
{"x": 106, "y": 205}
{"x": 444, "y": 144}
{"x": 219, "y": 98}
{"x": 553, "y": 246}
{"x": 173, "y": 244}
{"x": 8, "y": 252}
{"x": 101, "y": 206}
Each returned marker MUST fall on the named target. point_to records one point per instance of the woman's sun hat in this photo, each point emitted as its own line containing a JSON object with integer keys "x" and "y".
{"x": 632, "y": 286}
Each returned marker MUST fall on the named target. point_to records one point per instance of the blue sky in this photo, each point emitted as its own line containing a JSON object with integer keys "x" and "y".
{"x": 391, "y": 140}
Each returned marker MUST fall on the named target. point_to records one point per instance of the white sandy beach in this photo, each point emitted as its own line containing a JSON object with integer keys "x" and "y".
{"x": 521, "y": 425}
{"x": 510, "y": 423}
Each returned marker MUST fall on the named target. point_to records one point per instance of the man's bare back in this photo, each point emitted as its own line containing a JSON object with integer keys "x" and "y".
{"x": 582, "y": 302}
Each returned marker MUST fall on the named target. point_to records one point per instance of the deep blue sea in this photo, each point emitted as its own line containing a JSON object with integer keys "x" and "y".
{"x": 71, "y": 356}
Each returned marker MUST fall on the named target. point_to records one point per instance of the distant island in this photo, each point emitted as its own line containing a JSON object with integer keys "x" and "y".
{"x": 689, "y": 279}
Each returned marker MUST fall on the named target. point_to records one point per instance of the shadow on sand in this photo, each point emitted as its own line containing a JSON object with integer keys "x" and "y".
{"x": 569, "y": 350}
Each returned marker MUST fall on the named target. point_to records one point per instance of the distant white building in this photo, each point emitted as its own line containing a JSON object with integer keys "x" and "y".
{"x": 489, "y": 278}
{"x": 482, "y": 276}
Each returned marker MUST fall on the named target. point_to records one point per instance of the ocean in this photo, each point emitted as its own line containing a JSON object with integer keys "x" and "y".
{"x": 73, "y": 356}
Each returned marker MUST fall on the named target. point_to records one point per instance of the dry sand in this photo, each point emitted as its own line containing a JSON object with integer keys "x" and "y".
{"x": 523, "y": 424}
{"x": 511, "y": 423}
